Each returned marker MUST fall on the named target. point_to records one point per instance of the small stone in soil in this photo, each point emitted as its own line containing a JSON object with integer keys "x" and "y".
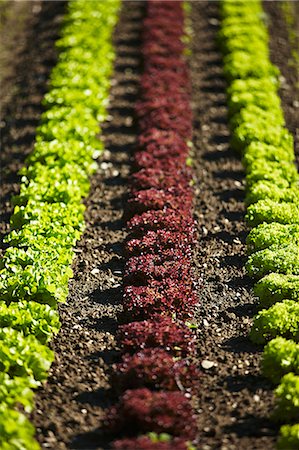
{"x": 206, "y": 364}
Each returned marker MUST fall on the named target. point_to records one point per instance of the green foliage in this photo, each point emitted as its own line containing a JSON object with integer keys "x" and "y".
{"x": 165, "y": 437}
{"x": 262, "y": 99}
{"x": 70, "y": 127}
{"x": 42, "y": 213}
{"x": 280, "y": 357}
{"x": 279, "y": 173}
{"x": 252, "y": 117}
{"x": 38, "y": 238}
{"x": 31, "y": 318}
{"x": 43, "y": 279}
{"x": 255, "y": 86}
{"x": 276, "y": 287}
{"x": 289, "y": 437}
{"x": 240, "y": 9}
{"x": 47, "y": 184}
{"x": 24, "y": 356}
{"x": 242, "y": 64}
{"x": 267, "y": 235}
{"x": 48, "y": 217}
{"x": 278, "y": 259}
{"x": 262, "y": 151}
{"x": 282, "y": 319}
{"x": 16, "y": 432}
{"x": 258, "y": 131}
{"x": 271, "y": 211}
{"x": 268, "y": 190}
{"x": 287, "y": 395}
{"x": 261, "y": 131}
{"x": 16, "y": 390}
{"x": 57, "y": 154}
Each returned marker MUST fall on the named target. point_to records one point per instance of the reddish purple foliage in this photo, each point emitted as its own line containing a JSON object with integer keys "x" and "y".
{"x": 154, "y": 48}
{"x": 158, "y": 220}
{"x": 159, "y": 331}
{"x": 154, "y": 368}
{"x": 158, "y": 275}
{"x": 141, "y": 411}
{"x": 177, "y": 106}
{"x": 145, "y": 443}
{"x": 165, "y": 137}
{"x": 165, "y": 150}
{"x": 157, "y": 241}
{"x": 167, "y": 121}
{"x": 167, "y": 297}
{"x": 160, "y": 179}
{"x": 160, "y": 199}
{"x": 176, "y": 65}
{"x": 151, "y": 80}
{"x": 144, "y": 160}
{"x": 140, "y": 270}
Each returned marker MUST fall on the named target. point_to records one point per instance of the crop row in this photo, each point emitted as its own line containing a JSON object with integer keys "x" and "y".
{"x": 48, "y": 214}
{"x": 155, "y": 377}
{"x": 259, "y": 133}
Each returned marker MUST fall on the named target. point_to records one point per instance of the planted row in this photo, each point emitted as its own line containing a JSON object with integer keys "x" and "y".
{"x": 48, "y": 214}
{"x": 155, "y": 377}
{"x": 272, "y": 182}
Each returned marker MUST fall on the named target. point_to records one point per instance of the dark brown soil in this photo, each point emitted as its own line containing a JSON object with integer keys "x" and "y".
{"x": 27, "y": 55}
{"x": 234, "y": 401}
{"x": 281, "y": 55}
{"x": 69, "y": 410}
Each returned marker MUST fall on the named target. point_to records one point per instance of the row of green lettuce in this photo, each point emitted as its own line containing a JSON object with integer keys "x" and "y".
{"x": 259, "y": 133}
{"x": 48, "y": 216}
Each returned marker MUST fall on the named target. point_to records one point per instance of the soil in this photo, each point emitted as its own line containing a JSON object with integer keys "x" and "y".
{"x": 281, "y": 55}
{"x": 78, "y": 387}
{"x": 234, "y": 401}
{"x": 24, "y": 69}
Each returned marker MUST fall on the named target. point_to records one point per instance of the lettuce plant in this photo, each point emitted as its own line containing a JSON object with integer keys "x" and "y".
{"x": 282, "y": 319}
{"x": 241, "y": 64}
{"x": 265, "y": 189}
{"x": 152, "y": 441}
{"x": 277, "y": 259}
{"x": 49, "y": 216}
{"x": 31, "y": 318}
{"x": 157, "y": 332}
{"x": 276, "y": 287}
{"x": 271, "y": 211}
{"x": 258, "y": 131}
{"x": 16, "y": 432}
{"x": 258, "y": 150}
{"x": 161, "y": 412}
{"x": 251, "y": 115}
{"x": 24, "y": 356}
{"x": 265, "y": 97}
{"x": 156, "y": 369}
{"x": 279, "y": 320}
{"x": 280, "y": 357}
{"x": 16, "y": 390}
{"x": 279, "y": 173}
{"x": 287, "y": 395}
{"x": 267, "y": 235}
{"x": 289, "y": 437}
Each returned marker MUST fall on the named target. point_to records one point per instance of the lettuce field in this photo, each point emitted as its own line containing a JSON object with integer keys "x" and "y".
{"x": 149, "y": 271}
